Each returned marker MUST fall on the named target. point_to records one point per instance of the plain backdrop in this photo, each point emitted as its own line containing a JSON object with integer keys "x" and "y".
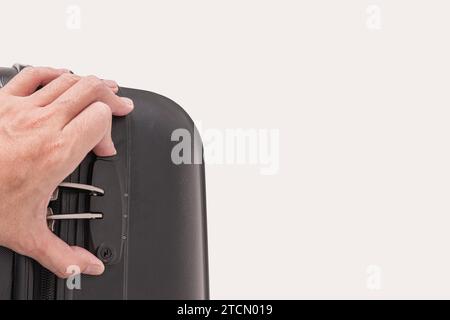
{"x": 359, "y": 91}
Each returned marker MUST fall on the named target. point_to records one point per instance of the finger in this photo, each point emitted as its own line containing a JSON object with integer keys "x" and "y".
{"x": 87, "y": 130}
{"x": 112, "y": 84}
{"x": 105, "y": 148}
{"x": 63, "y": 260}
{"x": 85, "y": 92}
{"x": 29, "y": 79}
{"x": 58, "y": 86}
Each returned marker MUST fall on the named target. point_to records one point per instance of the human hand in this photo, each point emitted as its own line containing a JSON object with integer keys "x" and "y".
{"x": 44, "y": 135}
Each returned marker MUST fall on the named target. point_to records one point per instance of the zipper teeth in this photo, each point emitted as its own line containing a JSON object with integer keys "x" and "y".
{"x": 48, "y": 285}
{"x": 47, "y": 280}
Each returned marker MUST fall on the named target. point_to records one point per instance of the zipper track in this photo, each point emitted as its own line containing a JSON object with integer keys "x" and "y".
{"x": 47, "y": 284}
{"x": 50, "y": 287}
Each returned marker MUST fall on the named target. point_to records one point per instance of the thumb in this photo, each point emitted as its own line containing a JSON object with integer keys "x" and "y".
{"x": 62, "y": 259}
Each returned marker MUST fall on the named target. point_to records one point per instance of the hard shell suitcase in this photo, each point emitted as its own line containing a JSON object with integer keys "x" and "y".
{"x": 152, "y": 235}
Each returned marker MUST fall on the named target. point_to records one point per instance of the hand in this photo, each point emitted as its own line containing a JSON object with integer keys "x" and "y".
{"x": 44, "y": 135}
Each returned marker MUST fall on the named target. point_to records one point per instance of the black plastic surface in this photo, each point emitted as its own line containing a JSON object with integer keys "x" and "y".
{"x": 163, "y": 253}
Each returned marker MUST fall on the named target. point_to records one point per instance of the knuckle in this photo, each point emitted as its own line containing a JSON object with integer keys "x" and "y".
{"x": 32, "y": 72}
{"x": 56, "y": 145}
{"x": 104, "y": 110}
{"x": 101, "y": 119}
{"x": 93, "y": 83}
{"x": 35, "y": 120}
{"x": 56, "y": 151}
{"x": 63, "y": 102}
{"x": 62, "y": 272}
{"x": 69, "y": 78}
{"x": 92, "y": 79}
{"x": 103, "y": 115}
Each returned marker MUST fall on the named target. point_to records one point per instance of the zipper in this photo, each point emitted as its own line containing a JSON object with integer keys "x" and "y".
{"x": 71, "y": 197}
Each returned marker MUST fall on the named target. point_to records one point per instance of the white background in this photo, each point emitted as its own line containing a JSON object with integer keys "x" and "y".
{"x": 360, "y": 206}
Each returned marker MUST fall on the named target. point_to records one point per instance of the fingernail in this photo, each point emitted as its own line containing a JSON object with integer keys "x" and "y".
{"x": 112, "y": 151}
{"x": 94, "y": 269}
{"x": 128, "y": 101}
{"x": 114, "y": 148}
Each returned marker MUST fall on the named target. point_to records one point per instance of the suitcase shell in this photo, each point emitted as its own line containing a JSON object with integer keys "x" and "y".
{"x": 153, "y": 237}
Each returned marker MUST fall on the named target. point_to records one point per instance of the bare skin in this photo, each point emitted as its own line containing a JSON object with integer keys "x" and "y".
{"x": 44, "y": 135}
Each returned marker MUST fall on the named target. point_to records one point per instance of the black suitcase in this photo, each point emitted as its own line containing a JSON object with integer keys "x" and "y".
{"x": 152, "y": 237}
